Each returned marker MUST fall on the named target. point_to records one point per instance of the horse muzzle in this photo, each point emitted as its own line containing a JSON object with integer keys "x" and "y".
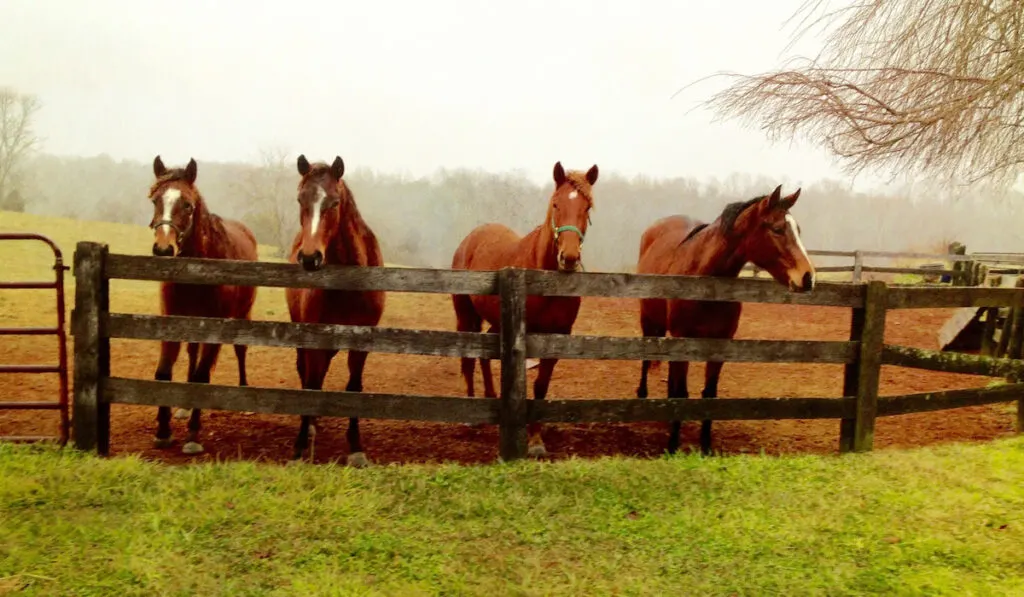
{"x": 805, "y": 283}
{"x": 311, "y": 263}
{"x": 165, "y": 251}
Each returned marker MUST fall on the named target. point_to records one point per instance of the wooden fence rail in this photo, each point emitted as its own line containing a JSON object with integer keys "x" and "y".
{"x": 863, "y": 354}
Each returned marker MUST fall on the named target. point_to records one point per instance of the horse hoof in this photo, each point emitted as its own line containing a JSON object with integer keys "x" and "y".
{"x": 192, "y": 448}
{"x": 163, "y": 443}
{"x": 182, "y": 413}
{"x": 358, "y": 460}
{"x": 537, "y": 451}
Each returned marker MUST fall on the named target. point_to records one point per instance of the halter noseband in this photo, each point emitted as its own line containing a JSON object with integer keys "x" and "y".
{"x": 569, "y": 228}
{"x": 182, "y": 234}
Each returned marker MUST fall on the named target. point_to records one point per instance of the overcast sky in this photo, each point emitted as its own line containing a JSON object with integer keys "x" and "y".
{"x": 404, "y": 85}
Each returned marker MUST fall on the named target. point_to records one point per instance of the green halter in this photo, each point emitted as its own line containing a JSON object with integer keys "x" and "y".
{"x": 568, "y": 228}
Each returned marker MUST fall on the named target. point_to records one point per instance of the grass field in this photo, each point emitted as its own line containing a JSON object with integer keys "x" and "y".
{"x": 940, "y": 521}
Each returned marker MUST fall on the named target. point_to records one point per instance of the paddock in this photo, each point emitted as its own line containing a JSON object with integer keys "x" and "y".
{"x": 237, "y": 435}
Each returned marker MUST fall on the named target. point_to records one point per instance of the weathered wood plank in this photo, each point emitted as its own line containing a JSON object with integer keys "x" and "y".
{"x": 302, "y": 335}
{"x": 551, "y": 283}
{"x": 512, "y": 442}
{"x": 564, "y": 346}
{"x": 951, "y": 362}
{"x": 930, "y": 401}
{"x": 91, "y": 418}
{"x": 248, "y": 273}
{"x": 924, "y": 271}
{"x": 723, "y": 409}
{"x": 869, "y": 367}
{"x": 904, "y": 297}
{"x": 833, "y": 269}
{"x": 301, "y": 402}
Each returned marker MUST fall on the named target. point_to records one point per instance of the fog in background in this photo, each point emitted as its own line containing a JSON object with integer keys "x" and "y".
{"x": 448, "y": 114}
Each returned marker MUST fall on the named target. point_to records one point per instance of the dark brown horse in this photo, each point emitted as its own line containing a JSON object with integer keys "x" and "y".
{"x": 333, "y": 233}
{"x": 183, "y": 226}
{"x": 557, "y": 244}
{"x": 761, "y": 231}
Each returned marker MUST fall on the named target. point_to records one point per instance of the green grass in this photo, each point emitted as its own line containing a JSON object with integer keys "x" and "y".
{"x": 939, "y": 521}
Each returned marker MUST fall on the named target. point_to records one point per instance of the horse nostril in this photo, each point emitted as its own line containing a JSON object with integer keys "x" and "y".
{"x": 808, "y": 281}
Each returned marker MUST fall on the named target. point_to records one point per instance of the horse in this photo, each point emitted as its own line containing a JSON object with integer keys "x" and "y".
{"x": 556, "y": 244}
{"x": 760, "y": 230}
{"x": 183, "y": 226}
{"x": 332, "y": 233}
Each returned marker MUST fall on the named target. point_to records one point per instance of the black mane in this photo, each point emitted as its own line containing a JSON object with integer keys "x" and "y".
{"x": 728, "y": 217}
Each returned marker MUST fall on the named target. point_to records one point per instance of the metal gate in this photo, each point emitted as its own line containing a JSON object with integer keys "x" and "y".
{"x": 61, "y": 368}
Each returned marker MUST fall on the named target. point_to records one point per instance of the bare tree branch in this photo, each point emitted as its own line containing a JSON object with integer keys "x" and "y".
{"x": 935, "y": 86}
{"x": 269, "y": 189}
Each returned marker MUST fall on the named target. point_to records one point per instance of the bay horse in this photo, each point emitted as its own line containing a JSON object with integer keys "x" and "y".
{"x": 332, "y": 233}
{"x": 183, "y": 226}
{"x": 556, "y": 244}
{"x": 760, "y": 230}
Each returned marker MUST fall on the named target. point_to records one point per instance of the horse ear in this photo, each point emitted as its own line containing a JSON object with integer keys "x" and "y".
{"x": 191, "y": 171}
{"x": 592, "y": 174}
{"x": 559, "y": 174}
{"x": 338, "y": 167}
{"x": 303, "y": 165}
{"x": 788, "y": 202}
{"x": 158, "y": 167}
{"x": 773, "y": 201}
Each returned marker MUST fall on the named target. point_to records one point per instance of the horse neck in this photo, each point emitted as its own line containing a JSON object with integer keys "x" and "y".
{"x": 201, "y": 241}
{"x": 717, "y": 254}
{"x": 539, "y": 246}
{"x": 344, "y": 245}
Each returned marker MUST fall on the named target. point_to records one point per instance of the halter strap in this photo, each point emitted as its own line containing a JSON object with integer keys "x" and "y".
{"x": 182, "y": 234}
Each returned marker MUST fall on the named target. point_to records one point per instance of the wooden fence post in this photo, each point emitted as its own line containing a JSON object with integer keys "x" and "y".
{"x": 91, "y": 416}
{"x": 858, "y": 265}
{"x": 851, "y": 380}
{"x": 869, "y": 365}
{"x": 512, "y": 443}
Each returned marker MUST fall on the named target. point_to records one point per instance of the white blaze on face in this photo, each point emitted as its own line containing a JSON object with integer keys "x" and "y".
{"x": 170, "y": 198}
{"x": 314, "y": 219}
{"x": 573, "y": 195}
{"x": 793, "y": 227}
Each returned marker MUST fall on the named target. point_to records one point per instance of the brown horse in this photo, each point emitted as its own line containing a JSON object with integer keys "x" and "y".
{"x": 333, "y": 232}
{"x": 761, "y": 231}
{"x": 183, "y": 226}
{"x": 557, "y": 244}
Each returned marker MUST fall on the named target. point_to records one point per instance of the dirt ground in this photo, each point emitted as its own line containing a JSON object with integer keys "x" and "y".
{"x": 227, "y": 435}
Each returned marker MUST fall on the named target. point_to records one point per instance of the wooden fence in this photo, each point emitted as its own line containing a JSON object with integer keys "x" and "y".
{"x": 863, "y": 354}
{"x": 962, "y": 270}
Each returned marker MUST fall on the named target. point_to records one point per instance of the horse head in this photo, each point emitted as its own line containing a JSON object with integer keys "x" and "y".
{"x": 569, "y": 214}
{"x": 320, "y": 198}
{"x": 771, "y": 240}
{"x": 176, "y": 206}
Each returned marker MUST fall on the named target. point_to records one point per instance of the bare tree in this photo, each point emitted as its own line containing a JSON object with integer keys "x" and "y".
{"x": 17, "y": 139}
{"x": 269, "y": 190}
{"x": 935, "y": 86}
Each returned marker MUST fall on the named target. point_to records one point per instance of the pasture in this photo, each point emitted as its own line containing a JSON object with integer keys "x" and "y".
{"x": 237, "y": 435}
{"x": 934, "y": 521}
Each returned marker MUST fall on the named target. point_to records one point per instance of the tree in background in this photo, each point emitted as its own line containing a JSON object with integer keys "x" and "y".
{"x": 17, "y": 141}
{"x": 934, "y": 86}
{"x": 268, "y": 191}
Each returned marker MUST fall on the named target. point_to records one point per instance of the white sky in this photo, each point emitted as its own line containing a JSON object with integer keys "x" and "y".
{"x": 403, "y": 85}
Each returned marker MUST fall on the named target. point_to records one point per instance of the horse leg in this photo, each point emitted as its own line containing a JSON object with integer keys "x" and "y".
{"x": 534, "y": 431}
{"x": 466, "y": 320}
{"x": 485, "y": 371}
{"x": 169, "y": 352}
{"x": 204, "y": 369}
{"x": 193, "y": 352}
{"x": 356, "y": 362}
{"x": 312, "y": 366}
{"x": 677, "y": 371}
{"x": 240, "y": 352}
{"x": 652, "y": 326}
{"x": 712, "y": 370}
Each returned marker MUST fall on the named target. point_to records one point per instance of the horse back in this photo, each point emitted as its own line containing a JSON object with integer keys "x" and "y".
{"x": 659, "y": 242}
{"x": 487, "y": 247}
